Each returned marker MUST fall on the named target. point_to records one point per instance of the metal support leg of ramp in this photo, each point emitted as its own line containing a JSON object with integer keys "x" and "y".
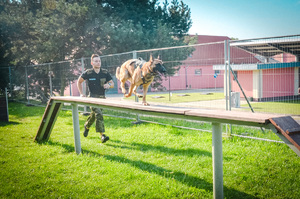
{"x": 76, "y": 128}
{"x": 217, "y": 160}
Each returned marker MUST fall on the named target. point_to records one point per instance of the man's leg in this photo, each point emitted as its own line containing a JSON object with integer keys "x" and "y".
{"x": 100, "y": 124}
{"x": 90, "y": 120}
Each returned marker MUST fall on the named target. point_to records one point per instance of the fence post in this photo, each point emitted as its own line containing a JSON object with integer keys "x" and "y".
{"x": 7, "y": 112}
{"x": 229, "y": 83}
{"x": 10, "y": 82}
{"x": 134, "y": 56}
{"x": 50, "y": 73}
{"x": 226, "y": 75}
{"x": 70, "y": 86}
{"x": 83, "y": 84}
{"x": 186, "y": 78}
{"x": 170, "y": 88}
{"x": 82, "y": 70}
{"x": 27, "y": 88}
{"x": 229, "y": 79}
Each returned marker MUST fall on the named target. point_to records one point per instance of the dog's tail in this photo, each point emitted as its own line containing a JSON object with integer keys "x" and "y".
{"x": 118, "y": 73}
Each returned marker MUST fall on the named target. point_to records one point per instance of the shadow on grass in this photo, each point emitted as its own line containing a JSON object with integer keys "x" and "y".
{"x": 190, "y": 152}
{"x": 181, "y": 177}
{"x": 67, "y": 147}
{"x": 8, "y": 123}
{"x": 184, "y": 178}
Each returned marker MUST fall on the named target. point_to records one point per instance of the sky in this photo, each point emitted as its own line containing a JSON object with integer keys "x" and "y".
{"x": 245, "y": 19}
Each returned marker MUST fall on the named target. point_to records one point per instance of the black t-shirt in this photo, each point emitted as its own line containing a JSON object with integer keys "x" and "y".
{"x": 96, "y": 81}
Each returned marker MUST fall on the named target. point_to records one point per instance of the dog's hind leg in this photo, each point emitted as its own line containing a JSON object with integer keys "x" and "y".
{"x": 145, "y": 89}
{"x": 123, "y": 77}
{"x": 122, "y": 85}
{"x": 118, "y": 73}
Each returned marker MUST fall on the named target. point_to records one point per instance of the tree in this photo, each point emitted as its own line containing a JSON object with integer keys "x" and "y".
{"x": 51, "y": 34}
{"x": 16, "y": 24}
{"x": 36, "y": 32}
{"x": 142, "y": 22}
{"x": 178, "y": 15}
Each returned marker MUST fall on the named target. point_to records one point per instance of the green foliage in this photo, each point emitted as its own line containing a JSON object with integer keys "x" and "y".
{"x": 60, "y": 30}
{"x": 139, "y": 161}
{"x": 37, "y": 32}
{"x": 16, "y": 27}
{"x": 179, "y": 17}
{"x": 139, "y": 25}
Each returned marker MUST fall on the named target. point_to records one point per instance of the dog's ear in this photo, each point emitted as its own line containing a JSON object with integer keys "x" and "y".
{"x": 151, "y": 58}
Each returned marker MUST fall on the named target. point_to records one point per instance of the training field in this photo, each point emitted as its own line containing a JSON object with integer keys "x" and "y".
{"x": 139, "y": 161}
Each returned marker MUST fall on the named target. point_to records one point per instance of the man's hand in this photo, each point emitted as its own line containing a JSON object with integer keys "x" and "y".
{"x": 106, "y": 86}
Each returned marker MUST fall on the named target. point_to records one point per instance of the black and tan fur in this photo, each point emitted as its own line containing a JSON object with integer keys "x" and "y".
{"x": 139, "y": 72}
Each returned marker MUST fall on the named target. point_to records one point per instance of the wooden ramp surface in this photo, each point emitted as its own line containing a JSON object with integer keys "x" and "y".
{"x": 231, "y": 117}
{"x": 289, "y": 128}
{"x": 48, "y": 120}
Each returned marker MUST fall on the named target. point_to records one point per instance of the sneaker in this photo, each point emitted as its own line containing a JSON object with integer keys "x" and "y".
{"x": 86, "y": 131}
{"x": 104, "y": 138}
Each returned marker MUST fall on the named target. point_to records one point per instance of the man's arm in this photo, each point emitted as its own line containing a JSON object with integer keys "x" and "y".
{"x": 79, "y": 86}
{"x": 109, "y": 84}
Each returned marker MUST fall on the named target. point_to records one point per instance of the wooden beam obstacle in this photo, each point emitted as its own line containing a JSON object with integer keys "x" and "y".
{"x": 283, "y": 126}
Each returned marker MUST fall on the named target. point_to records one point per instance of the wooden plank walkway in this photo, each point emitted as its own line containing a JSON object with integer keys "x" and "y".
{"x": 231, "y": 117}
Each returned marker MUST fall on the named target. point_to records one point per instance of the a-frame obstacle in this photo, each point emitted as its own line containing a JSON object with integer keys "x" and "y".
{"x": 284, "y": 126}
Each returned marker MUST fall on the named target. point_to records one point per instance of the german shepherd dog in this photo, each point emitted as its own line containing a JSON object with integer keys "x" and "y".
{"x": 139, "y": 72}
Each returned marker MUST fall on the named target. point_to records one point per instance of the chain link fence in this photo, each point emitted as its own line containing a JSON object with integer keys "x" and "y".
{"x": 257, "y": 75}
{"x": 260, "y": 75}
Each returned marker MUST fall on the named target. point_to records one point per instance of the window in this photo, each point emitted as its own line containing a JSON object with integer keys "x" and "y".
{"x": 198, "y": 71}
{"x": 217, "y": 72}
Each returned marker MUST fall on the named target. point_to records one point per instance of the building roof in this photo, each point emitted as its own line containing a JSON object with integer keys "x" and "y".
{"x": 261, "y": 66}
{"x": 269, "y": 47}
{"x": 210, "y": 51}
{"x": 202, "y": 39}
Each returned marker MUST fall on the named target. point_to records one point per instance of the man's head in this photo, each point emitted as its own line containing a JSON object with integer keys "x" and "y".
{"x": 95, "y": 61}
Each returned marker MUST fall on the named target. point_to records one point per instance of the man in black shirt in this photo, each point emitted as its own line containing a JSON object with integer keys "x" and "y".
{"x": 98, "y": 81}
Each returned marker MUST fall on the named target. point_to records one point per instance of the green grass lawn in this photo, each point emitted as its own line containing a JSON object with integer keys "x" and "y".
{"x": 139, "y": 161}
{"x": 181, "y": 97}
{"x": 282, "y": 107}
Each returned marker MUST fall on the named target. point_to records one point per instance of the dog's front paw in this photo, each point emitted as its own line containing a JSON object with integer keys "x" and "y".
{"x": 145, "y": 104}
{"x": 127, "y": 95}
